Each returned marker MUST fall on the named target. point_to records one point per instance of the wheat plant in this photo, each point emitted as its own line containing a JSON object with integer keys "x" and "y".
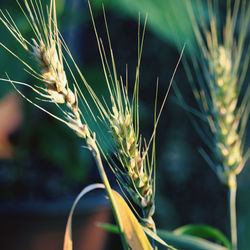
{"x": 221, "y": 91}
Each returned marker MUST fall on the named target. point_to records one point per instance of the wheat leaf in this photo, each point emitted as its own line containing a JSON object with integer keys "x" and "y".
{"x": 133, "y": 231}
{"x": 134, "y": 234}
{"x": 68, "y": 245}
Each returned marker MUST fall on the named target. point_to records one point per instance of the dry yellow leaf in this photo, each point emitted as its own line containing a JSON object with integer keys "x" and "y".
{"x": 134, "y": 234}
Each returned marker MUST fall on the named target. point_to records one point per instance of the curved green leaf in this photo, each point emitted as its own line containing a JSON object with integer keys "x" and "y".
{"x": 188, "y": 242}
{"x": 204, "y": 231}
{"x": 108, "y": 227}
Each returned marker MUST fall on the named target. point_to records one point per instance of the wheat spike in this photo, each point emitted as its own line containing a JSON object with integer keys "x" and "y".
{"x": 222, "y": 67}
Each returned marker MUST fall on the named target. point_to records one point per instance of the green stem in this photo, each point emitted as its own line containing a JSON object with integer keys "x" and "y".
{"x": 110, "y": 195}
{"x": 232, "y": 199}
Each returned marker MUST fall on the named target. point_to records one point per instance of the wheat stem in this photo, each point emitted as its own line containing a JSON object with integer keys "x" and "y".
{"x": 105, "y": 181}
{"x": 232, "y": 207}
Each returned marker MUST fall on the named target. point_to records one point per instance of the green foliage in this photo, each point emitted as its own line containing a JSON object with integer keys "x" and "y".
{"x": 187, "y": 242}
{"x": 168, "y": 19}
{"x": 205, "y": 232}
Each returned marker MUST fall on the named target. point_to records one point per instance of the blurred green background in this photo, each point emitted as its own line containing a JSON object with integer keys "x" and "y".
{"x": 47, "y": 161}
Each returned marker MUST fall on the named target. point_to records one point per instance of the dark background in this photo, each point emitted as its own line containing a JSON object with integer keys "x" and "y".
{"x": 43, "y": 165}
